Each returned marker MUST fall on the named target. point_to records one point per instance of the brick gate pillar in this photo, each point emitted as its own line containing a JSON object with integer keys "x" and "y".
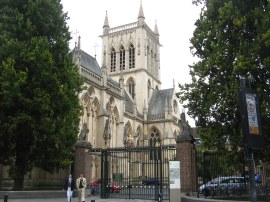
{"x": 186, "y": 154}
{"x": 82, "y": 160}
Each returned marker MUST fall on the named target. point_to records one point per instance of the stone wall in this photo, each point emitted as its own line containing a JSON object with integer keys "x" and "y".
{"x": 37, "y": 179}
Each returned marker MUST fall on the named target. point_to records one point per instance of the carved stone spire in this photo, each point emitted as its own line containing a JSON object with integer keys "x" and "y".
{"x": 156, "y": 29}
{"x": 106, "y": 25}
{"x": 141, "y": 16}
{"x": 79, "y": 42}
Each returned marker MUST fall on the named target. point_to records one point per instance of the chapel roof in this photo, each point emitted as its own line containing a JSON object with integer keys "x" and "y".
{"x": 129, "y": 102}
{"x": 88, "y": 62}
{"x": 159, "y": 100}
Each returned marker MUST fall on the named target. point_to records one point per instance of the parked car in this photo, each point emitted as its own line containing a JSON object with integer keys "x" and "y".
{"x": 114, "y": 187}
{"x": 150, "y": 182}
{"x": 224, "y": 185}
{"x": 95, "y": 187}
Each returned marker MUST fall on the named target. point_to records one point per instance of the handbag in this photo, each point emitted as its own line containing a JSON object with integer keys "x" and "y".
{"x": 74, "y": 193}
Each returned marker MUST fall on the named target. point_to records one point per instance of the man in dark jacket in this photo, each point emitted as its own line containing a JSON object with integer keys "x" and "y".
{"x": 69, "y": 186}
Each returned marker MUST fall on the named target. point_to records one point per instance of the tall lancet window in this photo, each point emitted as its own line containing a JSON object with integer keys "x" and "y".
{"x": 131, "y": 56}
{"x": 154, "y": 142}
{"x": 122, "y": 58}
{"x": 113, "y": 60}
{"x": 131, "y": 87}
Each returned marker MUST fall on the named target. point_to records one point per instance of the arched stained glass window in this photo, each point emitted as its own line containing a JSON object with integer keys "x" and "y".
{"x": 131, "y": 56}
{"x": 122, "y": 58}
{"x": 113, "y": 60}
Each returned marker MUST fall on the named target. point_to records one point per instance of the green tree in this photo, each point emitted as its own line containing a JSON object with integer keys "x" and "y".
{"x": 39, "y": 86}
{"x": 231, "y": 40}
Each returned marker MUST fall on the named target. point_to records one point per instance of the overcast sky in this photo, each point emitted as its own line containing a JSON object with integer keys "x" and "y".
{"x": 175, "y": 20}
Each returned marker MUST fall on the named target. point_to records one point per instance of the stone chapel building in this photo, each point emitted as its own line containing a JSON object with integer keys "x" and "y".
{"x": 123, "y": 103}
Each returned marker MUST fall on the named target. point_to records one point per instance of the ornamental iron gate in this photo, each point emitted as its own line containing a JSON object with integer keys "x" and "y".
{"x": 136, "y": 173}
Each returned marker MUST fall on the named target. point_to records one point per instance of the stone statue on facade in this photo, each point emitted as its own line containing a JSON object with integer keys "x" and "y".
{"x": 107, "y": 131}
{"x": 84, "y": 133}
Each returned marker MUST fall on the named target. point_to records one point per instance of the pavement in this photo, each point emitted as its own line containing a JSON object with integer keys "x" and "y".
{"x": 55, "y": 196}
{"x": 64, "y": 199}
{"x": 88, "y": 199}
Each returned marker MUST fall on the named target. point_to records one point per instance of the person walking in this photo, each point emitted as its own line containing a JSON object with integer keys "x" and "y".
{"x": 81, "y": 185}
{"x": 69, "y": 187}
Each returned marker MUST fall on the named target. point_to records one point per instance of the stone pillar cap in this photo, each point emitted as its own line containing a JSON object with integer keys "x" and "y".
{"x": 83, "y": 144}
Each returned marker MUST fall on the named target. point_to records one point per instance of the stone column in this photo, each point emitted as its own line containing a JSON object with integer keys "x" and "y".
{"x": 186, "y": 154}
{"x": 82, "y": 160}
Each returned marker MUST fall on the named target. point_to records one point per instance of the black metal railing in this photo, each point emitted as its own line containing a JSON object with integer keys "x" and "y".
{"x": 223, "y": 175}
{"x": 136, "y": 172}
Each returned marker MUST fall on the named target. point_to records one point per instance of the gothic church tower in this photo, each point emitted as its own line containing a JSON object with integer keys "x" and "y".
{"x": 131, "y": 53}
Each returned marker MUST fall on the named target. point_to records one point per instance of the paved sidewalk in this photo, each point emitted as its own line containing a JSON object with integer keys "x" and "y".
{"x": 88, "y": 199}
{"x": 56, "y": 196}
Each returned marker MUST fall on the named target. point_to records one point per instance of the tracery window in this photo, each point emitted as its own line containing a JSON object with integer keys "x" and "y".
{"x": 131, "y": 56}
{"x": 154, "y": 143}
{"x": 122, "y": 58}
{"x": 113, "y": 60}
{"x": 155, "y": 138}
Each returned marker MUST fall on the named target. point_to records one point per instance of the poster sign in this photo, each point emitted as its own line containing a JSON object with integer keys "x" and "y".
{"x": 252, "y": 114}
{"x": 251, "y": 118}
{"x": 174, "y": 169}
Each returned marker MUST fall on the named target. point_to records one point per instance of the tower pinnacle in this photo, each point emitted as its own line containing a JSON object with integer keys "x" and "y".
{"x": 79, "y": 42}
{"x": 106, "y": 25}
{"x": 141, "y": 15}
{"x": 156, "y": 29}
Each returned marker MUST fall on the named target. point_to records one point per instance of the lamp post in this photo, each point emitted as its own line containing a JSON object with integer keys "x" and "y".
{"x": 251, "y": 124}
{"x": 157, "y": 158}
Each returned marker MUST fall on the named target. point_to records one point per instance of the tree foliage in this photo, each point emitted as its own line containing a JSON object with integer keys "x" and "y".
{"x": 231, "y": 40}
{"x": 39, "y": 86}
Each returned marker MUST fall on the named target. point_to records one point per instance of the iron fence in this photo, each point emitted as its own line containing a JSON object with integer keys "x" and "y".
{"x": 136, "y": 173}
{"x": 223, "y": 175}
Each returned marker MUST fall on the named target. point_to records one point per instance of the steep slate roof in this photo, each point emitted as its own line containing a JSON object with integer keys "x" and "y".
{"x": 129, "y": 102}
{"x": 113, "y": 81}
{"x": 157, "y": 101}
{"x": 89, "y": 62}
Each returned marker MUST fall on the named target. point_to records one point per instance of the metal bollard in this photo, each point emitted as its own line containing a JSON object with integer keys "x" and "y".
{"x": 159, "y": 197}
{"x": 5, "y": 198}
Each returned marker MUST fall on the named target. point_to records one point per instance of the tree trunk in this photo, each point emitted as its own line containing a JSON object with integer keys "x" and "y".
{"x": 18, "y": 171}
{"x": 18, "y": 183}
